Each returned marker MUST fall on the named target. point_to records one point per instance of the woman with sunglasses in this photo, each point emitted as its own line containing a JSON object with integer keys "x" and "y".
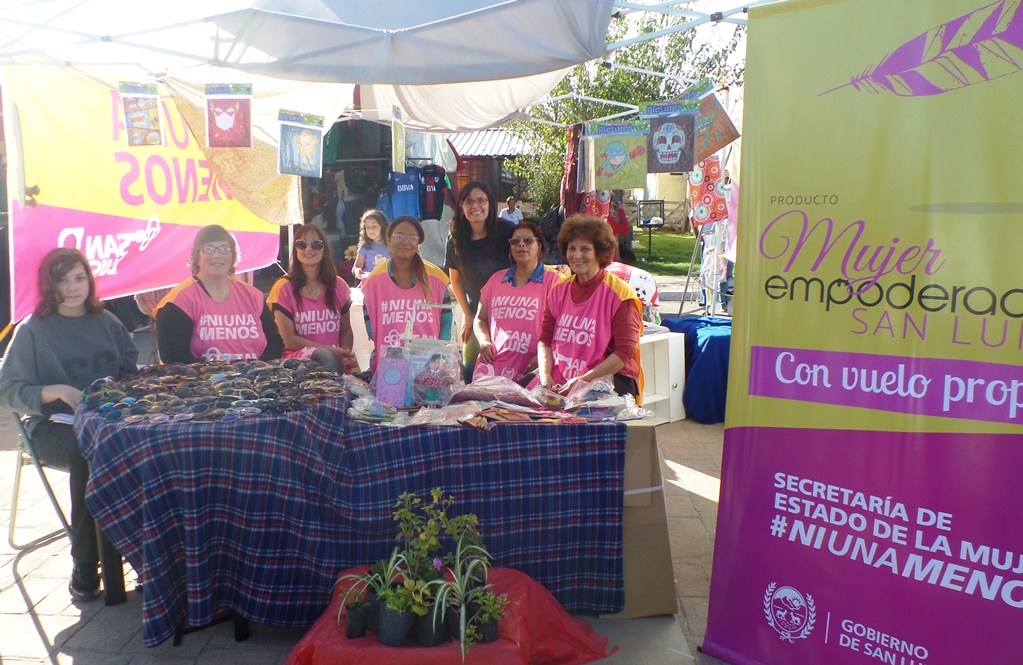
{"x": 311, "y": 304}
{"x": 212, "y": 314}
{"x": 391, "y": 292}
{"x": 476, "y": 249}
{"x": 511, "y": 309}
{"x": 68, "y": 342}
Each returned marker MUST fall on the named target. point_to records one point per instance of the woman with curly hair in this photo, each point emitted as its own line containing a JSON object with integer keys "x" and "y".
{"x": 593, "y": 320}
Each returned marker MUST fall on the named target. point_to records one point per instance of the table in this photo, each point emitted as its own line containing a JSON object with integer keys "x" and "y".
{"x": 259, "y": 515}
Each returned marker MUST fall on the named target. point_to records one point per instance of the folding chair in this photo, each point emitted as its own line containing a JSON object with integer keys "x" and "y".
{"x": 26, "y": 455}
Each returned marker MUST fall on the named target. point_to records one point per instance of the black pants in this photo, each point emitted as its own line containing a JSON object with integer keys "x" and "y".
{"x": 55, "y": 444}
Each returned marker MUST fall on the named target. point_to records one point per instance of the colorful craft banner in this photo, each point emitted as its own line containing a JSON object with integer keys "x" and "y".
{"x": 871, "y": 469}
{"x": 671, "y": 145}
{"x": 133, "y": 211}
{"x": 714, "y": 129}
{"x": 707, "y": 192}
{"x": 301, "y": 144}
{"x": 229, "y": 115}
{"x": 615, "y": 162}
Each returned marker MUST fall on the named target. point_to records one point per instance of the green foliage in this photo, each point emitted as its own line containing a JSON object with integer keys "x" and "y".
{"x": 492, "y": 606}
{"x": 396, "y": 599}
{"x": 676, "y": 55}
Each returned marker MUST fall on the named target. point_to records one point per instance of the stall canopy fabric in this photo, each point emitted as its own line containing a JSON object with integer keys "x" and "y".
{"x": 486, "y": 59}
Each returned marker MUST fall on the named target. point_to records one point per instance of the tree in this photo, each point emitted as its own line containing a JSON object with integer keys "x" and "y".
{"x": 679, "y": 55}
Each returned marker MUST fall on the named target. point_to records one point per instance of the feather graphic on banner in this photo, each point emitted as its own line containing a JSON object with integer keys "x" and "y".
{"x": 980, "y": 46}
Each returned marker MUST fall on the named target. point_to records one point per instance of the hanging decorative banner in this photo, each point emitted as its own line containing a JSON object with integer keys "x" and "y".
{"x": 615, "y": 162}
{"x": 229, "y": 115}
{"x": 618, "y": 127}
{"x": 141, "y": 105}
{"x": 301, "y": 147}
{"x": 707, "y": 192}
{"x": 397, "y": 140}
{"x": 875, "y": 399}
{"x": 671, "y": 143}
{"x": 689, "y": 102}
{"x": 714, "y": 129}
{"x": 132, "y": 212}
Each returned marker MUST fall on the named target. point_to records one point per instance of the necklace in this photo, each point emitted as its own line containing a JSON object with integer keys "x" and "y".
{"x": 313, "y": 293}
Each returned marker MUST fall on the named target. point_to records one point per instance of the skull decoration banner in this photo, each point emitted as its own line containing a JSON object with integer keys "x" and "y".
{"x": 871, "y": 470}
{"x": 671, "y": 144}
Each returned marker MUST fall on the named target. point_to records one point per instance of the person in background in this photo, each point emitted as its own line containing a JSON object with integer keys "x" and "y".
{"x": 511, "y": 213}
{"x": 619, "y": 222}
{"x": 372, "y": 246}
{"x": 593, "y": 320}
{"x": 212, "y": 314}
{"x": 477, "y": 248}
{"x": 68, "y": 342}
{"x": 511, "y": 309}
{"x": 391, "y": 292}
{"x": 311, "y": 304}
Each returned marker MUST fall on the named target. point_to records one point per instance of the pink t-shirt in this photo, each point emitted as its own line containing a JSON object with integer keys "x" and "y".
{"x": 313, "y": 319}
{"x": 515, "y": 317}
{"x": 582, "y": 332}
{"x": 389, "y": 307}
{"x": 229, "y": 327}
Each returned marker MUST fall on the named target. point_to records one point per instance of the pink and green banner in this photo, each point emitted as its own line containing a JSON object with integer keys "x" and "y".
{"x": 872, "y": 457}
{"x": 132, "y": 207}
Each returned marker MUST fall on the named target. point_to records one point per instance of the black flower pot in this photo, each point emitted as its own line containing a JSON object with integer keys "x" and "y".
{"x": 373, "y": 616}
{"x": 451, "y": 621}
{"x": 488, "y": 631}
{"x": 427, "y": 634}
{"x": 357, "y": 621}
{"x": 394, "y": 626}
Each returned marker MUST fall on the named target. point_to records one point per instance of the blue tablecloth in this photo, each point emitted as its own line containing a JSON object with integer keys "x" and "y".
{"x": 708, "y": 341}
{"x": 259, "y": 515}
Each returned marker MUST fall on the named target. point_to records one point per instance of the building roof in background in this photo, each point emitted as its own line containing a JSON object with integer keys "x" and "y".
{"x": 489, "y": 143}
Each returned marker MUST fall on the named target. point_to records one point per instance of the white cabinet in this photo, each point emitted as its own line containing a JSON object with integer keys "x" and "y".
{"x": 664, "y": 371}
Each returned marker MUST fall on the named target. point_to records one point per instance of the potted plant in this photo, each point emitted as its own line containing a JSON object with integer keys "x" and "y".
{"x": 396, "y": 616}
{"x": 428, "y": 632}
{"x": 490, "y": 607}
{"x": 380, "y": 577}
{"x": 357, "y": 613}
{"x": 466, "y": 570}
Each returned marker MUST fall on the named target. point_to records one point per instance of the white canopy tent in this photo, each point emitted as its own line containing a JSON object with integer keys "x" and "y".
{"x": 456, "y": 65}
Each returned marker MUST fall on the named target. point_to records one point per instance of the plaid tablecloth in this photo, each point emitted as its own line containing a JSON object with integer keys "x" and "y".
{"x": 259, "y": 515}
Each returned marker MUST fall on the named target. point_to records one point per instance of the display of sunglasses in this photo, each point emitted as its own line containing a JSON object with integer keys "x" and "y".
{"x": 210, "y": 249}
{"x": 529, "y": 240}
{"x": 315, "y": 244}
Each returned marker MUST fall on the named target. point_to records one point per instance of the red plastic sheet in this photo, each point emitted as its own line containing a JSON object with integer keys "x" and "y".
{"x": 535, "y": 630}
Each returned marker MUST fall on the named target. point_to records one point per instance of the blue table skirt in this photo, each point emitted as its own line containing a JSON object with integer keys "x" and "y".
{"x": 259, "y": 515}
{"x": 708, "y": 341}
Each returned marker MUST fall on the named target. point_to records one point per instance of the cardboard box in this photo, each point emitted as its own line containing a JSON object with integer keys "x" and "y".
{"x": 648, "y": 573}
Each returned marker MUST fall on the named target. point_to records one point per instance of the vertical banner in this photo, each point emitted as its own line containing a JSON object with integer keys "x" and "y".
{"x": 871, "y": 471}
{"x": 131, "y": 197}
{"x": 397, "y": 140}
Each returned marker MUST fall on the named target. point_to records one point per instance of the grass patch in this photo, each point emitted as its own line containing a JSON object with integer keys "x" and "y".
{"x": 669, "y": 254}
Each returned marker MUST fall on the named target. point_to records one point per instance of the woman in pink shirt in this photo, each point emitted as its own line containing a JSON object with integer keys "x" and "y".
{"x": 391, "y": 292}
{"x": 593, "y": 320}
{"x": 211, "y": 314}
{"x": 311, "y": 304}
{"x": 511, "y": 308}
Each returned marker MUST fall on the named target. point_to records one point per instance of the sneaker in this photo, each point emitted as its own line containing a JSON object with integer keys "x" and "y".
{"x": 84, "y": 584}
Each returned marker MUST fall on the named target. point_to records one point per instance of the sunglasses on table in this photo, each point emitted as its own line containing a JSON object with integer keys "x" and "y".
{"x": 210, "y": 249}
{"x": 315, "y": 244}
{"x": 528, "y": 240}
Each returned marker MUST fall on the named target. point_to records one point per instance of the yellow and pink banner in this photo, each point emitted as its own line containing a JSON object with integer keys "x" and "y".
{"x": 875, "y": 400}
{"x": 133, "y": 208}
